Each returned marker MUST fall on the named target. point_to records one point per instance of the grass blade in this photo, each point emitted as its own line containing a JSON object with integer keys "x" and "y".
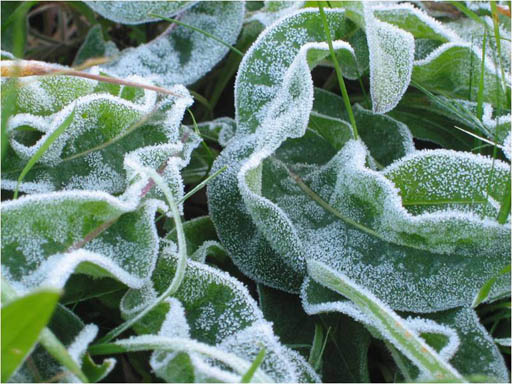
{"x": 480, "y": 94}
{"x": 339, "y": 73}
{"x": 202, "y": 184}
{"x": 388, "y": 322}
{"x": 486, "y": 288}
{"x": 247, "y": 377}
{"x": 40, "y": 152}
{"x": 180, "y": 269}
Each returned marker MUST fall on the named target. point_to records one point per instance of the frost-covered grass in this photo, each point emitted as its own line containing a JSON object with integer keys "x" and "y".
{"x": 256, "y": 192}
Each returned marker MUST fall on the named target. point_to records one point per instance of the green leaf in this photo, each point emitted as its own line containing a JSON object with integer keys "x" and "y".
{"x": 89, "y": 152}
{"x": 64, "y": 345}
{"x": 267, "y": 89}
{"x": 90, "y": 232}
{"x": 22, "y": 321}
{"x": 94, "y": 46}
{"x": 390, "y": 326}
{"x": 446, "y": 71}
{"x": 293, "y": 326}
{"x": 127, "y": 12}
{"x": 180, "y": 55}
{"x": 355, "y": 219}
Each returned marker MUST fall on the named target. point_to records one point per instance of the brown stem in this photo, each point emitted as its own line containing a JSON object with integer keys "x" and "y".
{"x": 22, "y": 68}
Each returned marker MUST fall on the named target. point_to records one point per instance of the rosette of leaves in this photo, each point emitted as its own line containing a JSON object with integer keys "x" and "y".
{"x": 418, "y": 229}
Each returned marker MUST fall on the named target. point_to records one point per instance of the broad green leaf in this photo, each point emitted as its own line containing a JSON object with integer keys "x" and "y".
{"x": 94, "y": 46}
{"x": 473, "y": 339}
{"x": 75, "y": 336}
{"x": 181, "y": 55}
{"x": 22, "y": 321}
{"x": 474, "y": 31}
{"x": 89, "y": 153}
{"x": 216, "y": 310}
{"x": 129, "y": 12}
{"x": 369, "y": 309}
{"x": 454, "y": 69}
{"x": 87, "y": 231}
{"x": 391, "y": 59}
{"x": 274, "y": 79}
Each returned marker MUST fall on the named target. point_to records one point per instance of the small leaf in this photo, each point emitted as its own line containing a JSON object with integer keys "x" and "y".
{"x": 23, "y": 319}
{"x": 483, "y": 294}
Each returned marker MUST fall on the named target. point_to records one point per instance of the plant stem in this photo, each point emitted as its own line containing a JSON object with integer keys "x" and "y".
{"x": 22, "y": 68}
{"x": 339, "y": 73}
{"x": 182, "y": 261}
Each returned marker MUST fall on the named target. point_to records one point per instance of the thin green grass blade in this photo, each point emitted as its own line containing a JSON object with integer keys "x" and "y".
{"x": 198, "y": 30}
{"x": 486, "y": 288}
{"x": 505, "y": 205}
{"x": 498, "y": 42}
{"x": 196, "y": 129}
{"x": 339, "y": 73}
{"x": 202, "y": 184}
{"x": 40, "y": 152}
{"x": 480, "y": 94}
{"x": 59, "y": 352}
{"x": 247, "y": 377}
{"x": 389, "y": 323}
{"x": 314, "y": 354}
{"x": 468, "y": 12}
{"x": 18, "y": 13}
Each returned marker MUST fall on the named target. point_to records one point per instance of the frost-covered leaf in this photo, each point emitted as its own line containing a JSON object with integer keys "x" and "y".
{"x": 46, "y": 237}
{"x": 454, "y": 69}
{"x": 181, "y": 55}
{"x": 391, "y": 52}
{"x": 137, "y": 12}
{"x": 94, "y": 46}
{"x": 75, "y": 336}
{"x": 474, "y": 341}
{"x": 275, "y": 71}
{"x": 473, "y": 338}
{"x": 108, "y": 122}
{"x": 404, "y": 335}
{"x": 217, "y": 311}
{"x": 343, "y": 212}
